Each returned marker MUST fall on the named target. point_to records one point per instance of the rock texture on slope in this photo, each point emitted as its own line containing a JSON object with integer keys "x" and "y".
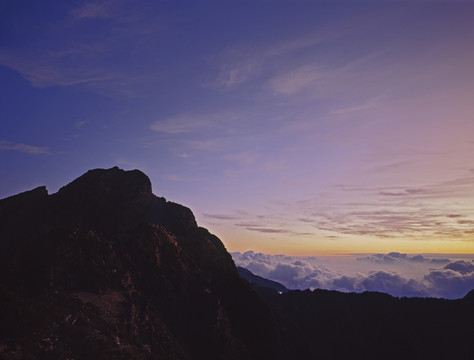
{"x": 104, "y": 269}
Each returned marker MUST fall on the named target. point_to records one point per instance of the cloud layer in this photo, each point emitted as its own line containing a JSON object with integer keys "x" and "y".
{"x": 394, "y": 273}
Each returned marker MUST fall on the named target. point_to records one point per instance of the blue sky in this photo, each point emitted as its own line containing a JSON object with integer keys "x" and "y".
{"x": 296, "y": 127}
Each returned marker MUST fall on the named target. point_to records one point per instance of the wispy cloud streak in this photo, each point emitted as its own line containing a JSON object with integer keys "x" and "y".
{"x": 241, "y": 65}
{"x": 93, "y": 10}
{"x": 24, "y": 148}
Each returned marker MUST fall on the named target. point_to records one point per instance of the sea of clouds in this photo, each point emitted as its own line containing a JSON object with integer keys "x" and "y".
{"x": 398, "y": 274}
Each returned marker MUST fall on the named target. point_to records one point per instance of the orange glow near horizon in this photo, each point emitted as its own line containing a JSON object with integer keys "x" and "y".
{"x": 242, "y": 241}
{"x": 303, "y": 249}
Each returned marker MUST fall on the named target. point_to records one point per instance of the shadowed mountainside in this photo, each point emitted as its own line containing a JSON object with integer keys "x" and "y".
{"x": 104, "y": 269}
{"x": 333, "y": 325}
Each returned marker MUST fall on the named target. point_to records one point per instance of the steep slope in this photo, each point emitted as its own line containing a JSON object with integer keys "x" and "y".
{"x": 105, "y": 269}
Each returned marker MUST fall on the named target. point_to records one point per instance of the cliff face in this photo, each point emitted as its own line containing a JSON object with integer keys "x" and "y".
{"x": 105, "y": 269}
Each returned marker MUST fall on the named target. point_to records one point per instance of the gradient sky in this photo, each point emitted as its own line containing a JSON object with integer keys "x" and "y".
{"x": 296, "y": 127}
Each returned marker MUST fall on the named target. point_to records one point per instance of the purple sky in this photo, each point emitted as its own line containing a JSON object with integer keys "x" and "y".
{"x": 296, "y": 127}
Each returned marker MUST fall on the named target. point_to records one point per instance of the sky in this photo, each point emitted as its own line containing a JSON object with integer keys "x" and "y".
{"x": 303, "y": 128}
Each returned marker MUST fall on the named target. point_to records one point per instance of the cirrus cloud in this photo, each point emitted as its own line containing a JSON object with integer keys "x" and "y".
{"x": 24, "y": 148}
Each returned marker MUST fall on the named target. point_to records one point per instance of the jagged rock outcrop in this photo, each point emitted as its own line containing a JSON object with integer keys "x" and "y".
{"x": 105, "y": 269}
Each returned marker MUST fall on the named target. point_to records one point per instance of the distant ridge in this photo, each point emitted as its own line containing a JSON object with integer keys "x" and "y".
{"x": 260, "y": 282}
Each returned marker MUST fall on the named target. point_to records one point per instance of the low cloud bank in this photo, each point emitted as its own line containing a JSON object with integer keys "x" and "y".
{"x": 396, "y": 257}
{"x": 394, "y": 273}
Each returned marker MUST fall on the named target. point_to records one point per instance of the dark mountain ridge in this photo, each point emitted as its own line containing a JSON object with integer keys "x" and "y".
{"x": 104, "y": 269}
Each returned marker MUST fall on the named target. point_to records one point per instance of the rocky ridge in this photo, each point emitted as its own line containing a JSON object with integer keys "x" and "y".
{"x": 105, "y": 269}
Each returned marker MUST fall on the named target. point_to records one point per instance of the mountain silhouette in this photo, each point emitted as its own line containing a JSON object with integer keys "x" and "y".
{"x": 260, "y": 283}
{"x": 104, "y": 269}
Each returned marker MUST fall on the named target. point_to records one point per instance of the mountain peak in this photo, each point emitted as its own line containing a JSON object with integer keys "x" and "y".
{"x": 108, "y": 200}
{"x": 105, "y": 269}
{"x": 113, "y": 181}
